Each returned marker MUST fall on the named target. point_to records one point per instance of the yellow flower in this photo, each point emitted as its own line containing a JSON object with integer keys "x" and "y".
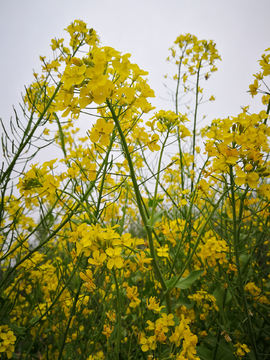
{"x": 203, "y": 185}
{"x": 148, "y": 343}
{"x": 254, "y": 88}
{"x": 115, "y": 258}
{"x": 241, "y": 349}
{"x": 73, "y": 75}
{"x": 132, "y": 295}
{"x": 98, "y": 259}
{"x": 101, "y": 132}
{"x": 153, "y": 304}
{"x": 125, "y": 240}
{"x": 141, "y": 260}
{"x": 107, "y": 330}
{"x": 88, "y": 278}
{"x": 166, "y": 320}
{"x": 152, "y": 144}
{"x": 163, "y": 251}
{"x": 251, "y": 178}
{"x": 7, "y": 341}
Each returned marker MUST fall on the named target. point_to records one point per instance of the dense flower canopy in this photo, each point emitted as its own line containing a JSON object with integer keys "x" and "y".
{"x": 124, "y": 248}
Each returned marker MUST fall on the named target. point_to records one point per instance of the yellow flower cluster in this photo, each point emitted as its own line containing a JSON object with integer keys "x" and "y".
{"x": 7, "y": 341}
{"x": 213, "y": 250}
{"x": 181, "y": 336}
{"x": 207, "y": 302}
{"x": 195, "y": 54}
{"x": 240, "y": 143}
{"x": 259, "y": 77}
{"x": 113, "y": 269}
{"x": 39, "y": 183}
{"x": 242, "y": 350}
{"x": 257, "y": 293}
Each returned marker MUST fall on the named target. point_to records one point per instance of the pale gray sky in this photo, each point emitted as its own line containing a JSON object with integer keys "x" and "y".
{"x": 146, "y": 29}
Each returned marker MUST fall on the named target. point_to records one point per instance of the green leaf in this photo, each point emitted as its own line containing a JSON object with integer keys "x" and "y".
{"x": 183, "y": 301}
{"x": 157, "y": 217}
{"x": 244, "y": 258}
{"x": 34, "y": 320}
{"x": 204, "y": 353}
{"x": 219, "y": 295}
{"x": 17, "y": 329}
{"x": 184, "y": 283}
{"x": 151, "y": 202}
{"x": 225, "y": 351}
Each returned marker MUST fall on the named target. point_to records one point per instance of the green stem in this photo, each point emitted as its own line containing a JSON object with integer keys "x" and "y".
{"x": 103, "y": 180}
{"x": 236, "y": 233}
{"x": 57, "y": 297}
{"x": 72, "y": 313}
{"x": 267, "y": 112}
{"x": 176, "y": 111}
{"x": 55, "y": 232}
{"x": 194, "y": 126}
{"x": 188, "y": 219}
{"x": 201, "y": 233}
{"x": 141, "y": 210}
{"x": 157, "y": 180}
{"x": 29, "y": 137}
{"x": 119, "y": 318}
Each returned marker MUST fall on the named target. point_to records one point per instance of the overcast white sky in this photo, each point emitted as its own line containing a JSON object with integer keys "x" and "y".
{"x": 146, "y": 29}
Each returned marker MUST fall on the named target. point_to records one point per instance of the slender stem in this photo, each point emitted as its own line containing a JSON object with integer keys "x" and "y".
{"x": 201, "y": 233}
{"x": 72, "y": 313}
{"x": 119, "y": 318}
{"x": 28, "y": 139}
{"x": 57, "y": 297}
{"x": 194, "y": 126}
{"x": 55, "y": 232}
{"x": 188, "y": 218}
{"x": 178, "y": 80}
{"x": 157, "y": 179}
{"x": 176, "y": 111}
{"x": 103, "y": 180}
{"x": 267, "y": 112}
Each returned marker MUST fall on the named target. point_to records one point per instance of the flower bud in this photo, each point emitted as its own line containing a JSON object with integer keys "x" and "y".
{"x": 241, "y": 128}
{"x": 76, "y": 61}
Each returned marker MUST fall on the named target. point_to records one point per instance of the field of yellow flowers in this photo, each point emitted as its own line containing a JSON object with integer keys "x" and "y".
{"x": 131, "y": 251}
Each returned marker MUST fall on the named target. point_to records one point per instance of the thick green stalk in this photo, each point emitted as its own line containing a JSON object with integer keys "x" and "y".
{"x": 141, "y": 210}
{"x": 238, "y": 265}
